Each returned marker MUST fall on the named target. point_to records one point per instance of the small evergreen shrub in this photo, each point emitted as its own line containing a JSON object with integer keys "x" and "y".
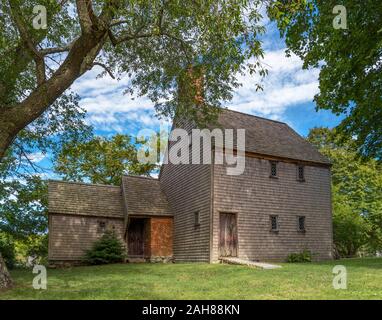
{"x": 107, "y": 249}
{"x": 304, "y": 256}
{"x": 7, "y": 249}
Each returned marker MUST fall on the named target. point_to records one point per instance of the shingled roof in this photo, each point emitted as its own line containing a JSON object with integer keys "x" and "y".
{"x": 85, "y": 199}
{"x": 269, "y": 137}
{"x": 143, "y": 196}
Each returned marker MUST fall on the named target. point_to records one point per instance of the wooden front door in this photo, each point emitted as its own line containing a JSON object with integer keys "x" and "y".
{"x": 136, "y": 239}
{"x": 228, "y": 235}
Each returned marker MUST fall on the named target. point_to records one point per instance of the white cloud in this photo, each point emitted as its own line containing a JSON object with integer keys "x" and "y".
{"x": 286, "y": 85}
{"x": 36, "y": 157}
{"x": 155, "y": 174}
{"x": 106, "y": 95}
{"x": 88, "y": 84}
{"x": 108, "y": 107}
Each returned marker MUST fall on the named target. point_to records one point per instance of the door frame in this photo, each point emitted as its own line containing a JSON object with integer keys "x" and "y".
{"x": 144, "y": 222}
{"x": 234, "y": 213}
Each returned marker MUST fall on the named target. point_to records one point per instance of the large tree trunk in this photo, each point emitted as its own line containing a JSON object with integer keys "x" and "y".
{"x": 15, "y": 118}
{"x": 80, "y": 58}
{"x": 5, "y": 139}
{"x": 5, "y": 278}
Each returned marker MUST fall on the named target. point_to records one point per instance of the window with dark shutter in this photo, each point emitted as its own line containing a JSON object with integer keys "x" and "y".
{"x": 273, "y": 169}
{"x": 301, "y": 223}
{"x": 274, "y": 223}
{"x": 197, "y": 218}
{"x": 101, "y": 226}
{"x": 300, "y": 173}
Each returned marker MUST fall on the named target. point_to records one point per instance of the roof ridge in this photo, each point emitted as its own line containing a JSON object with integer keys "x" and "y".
{"x": 252, "y": 115}
{"x": 84, "y": 183}
{"x": 305, "y": 140}
{"x": 140, "y": 177}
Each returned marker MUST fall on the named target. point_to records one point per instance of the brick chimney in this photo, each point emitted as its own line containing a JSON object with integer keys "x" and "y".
{"x": 191, "y": 86}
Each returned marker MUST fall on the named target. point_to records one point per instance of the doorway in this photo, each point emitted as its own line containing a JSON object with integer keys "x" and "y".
{"x": 228, "y": 235}
{"x": 136, "y": 237}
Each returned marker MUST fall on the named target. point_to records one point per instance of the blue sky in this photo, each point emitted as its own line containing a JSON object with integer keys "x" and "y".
{"x": 287, "y": 96}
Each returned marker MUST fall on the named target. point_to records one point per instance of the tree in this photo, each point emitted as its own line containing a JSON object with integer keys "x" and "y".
{"x": 356, "y": 188}
{"x": 24, "y": 208}
{"x": 22, "y": 189}
{"x": 151, "y": 41}
{"x": 23, "y": 193}
{"x": 154, "y": 42}
{"x": 350, "y": 60}
{"x": 5, "y": 278}
{"x": 351, "y": 229}
{"x": 101, "y": 160}
{"x": 7, "y": 249}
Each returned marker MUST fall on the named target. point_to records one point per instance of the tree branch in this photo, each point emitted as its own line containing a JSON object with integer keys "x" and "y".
{"x": 118, "y": 22}
{"x": 104, "y": 67}
{"x": 137, "y": 35}
{"x": 40, "y": 71}
{"x": 80, "y": 58}
{"x": 85, "y": 15}
{"x": 25, "y": 155}
{"x": 133, "y": 37}
{"x": 28, "y": 43}
{"x": 183, "y": 44}
{"x": 26, "y": 38}
{"x": 108, "y": 12}
{"x": 47, "y": 51}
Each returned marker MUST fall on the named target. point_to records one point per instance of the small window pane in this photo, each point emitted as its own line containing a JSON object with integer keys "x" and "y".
{"x": 101, "y": 226}
{"x": 274, "y": 223}
{"x": 300, "y": 173}
{"x": 301, "y": 223}
{"x": 197, "y": 218}
{"x": 273, "y": 169}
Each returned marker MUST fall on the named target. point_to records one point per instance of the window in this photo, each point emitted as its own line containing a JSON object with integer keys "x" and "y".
{"x": 301, "y": 223}
{"x": 274, "y": 220}
{"x": 300, "y": 173}
{"x": 101, "y": 226}
{"x": 273, "y": 169}
{"x": 196, "y": 218}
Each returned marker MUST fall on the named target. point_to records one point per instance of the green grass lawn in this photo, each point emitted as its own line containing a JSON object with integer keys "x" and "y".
{"x": 203, "y": 281}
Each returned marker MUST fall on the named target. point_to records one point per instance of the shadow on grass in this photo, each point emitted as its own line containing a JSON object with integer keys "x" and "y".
{"x": 373, "y": 263}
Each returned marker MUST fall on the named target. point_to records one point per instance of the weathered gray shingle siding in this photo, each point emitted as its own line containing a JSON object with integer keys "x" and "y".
{"x": 254, "y": 196}
{"x": 188, "y": 190}
{"x": 71, "y": 235}
{"x": 75, "y": 210}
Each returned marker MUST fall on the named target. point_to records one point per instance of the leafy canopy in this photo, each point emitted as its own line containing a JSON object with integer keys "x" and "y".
{"x": 23, "y": 191}
{"x": 356, "y": 189}
{"x": 101, "y": 160}
{"x": 154, "y": 42}
{"x": 350, "y": 62}
{"x": 7, "y": 249}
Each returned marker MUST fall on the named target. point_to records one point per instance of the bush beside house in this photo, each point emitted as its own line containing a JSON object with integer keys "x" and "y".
{"x": 108, "y": 249}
